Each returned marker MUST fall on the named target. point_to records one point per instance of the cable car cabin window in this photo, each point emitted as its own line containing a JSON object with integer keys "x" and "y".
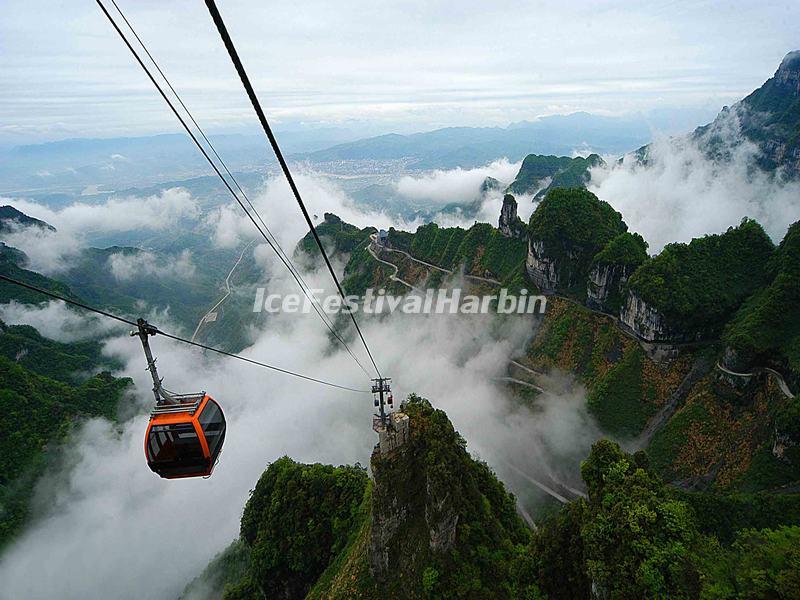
{"x": 176, "y": 445}
{"x": 213, "y": 423}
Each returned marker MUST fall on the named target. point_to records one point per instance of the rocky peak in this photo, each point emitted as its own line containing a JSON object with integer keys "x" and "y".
{"x": 510, "y": 224}
{"x": 489, "y": 184}
{"x": 428, "y": 498}
{"x": 788, "y": 73}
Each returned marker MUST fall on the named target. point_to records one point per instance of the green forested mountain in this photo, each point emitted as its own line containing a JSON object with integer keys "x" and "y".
{"x": 769, "y": 117}
{"x": 698, "y": 285}
{"x": 766, "y": 329}
{"x": 12, "y": 263}
{"x": 46, "y": 388}
{"x": 448, "y": 529}
{"x": 541, "y": 174}
{"x": 11, "y": 218}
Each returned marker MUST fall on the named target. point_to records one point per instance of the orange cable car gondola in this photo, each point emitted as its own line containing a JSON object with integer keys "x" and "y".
{"x": 184, "y": 438}
{"x": 186, "y": 431}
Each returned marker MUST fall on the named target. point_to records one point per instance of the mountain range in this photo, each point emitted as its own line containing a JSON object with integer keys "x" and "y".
{"x": 689, "y": 359}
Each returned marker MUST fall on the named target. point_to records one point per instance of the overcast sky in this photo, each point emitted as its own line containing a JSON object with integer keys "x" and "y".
{"x": 385, "y": 65}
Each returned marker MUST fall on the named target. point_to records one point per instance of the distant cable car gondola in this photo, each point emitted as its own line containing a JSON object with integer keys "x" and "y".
{"x": 186, "y": 431}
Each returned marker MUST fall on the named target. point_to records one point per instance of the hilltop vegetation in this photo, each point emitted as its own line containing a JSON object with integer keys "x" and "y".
{"x": 698, "y": 285}
{"x": 541, "y": 174}
{"x": 570, "y": 227}
{"x": 637, "y": 538}
{"x": 298, "y": 518}
{"x": 766, "y": 329}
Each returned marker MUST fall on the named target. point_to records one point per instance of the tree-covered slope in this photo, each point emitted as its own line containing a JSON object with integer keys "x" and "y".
{"x": 541, "y": 174}
{"x": 298, "y": 518}
{"x": 766, "y": 329}
{"x": 12, "y": 264}
{"x": 637, "y": 538}
{"x": 698, "y": 286}
{"x": 12, "y": 219}
{"x": 38, "y": 407}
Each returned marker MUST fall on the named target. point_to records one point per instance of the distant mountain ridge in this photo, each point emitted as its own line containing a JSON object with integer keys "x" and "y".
{"x": 475, "y": 146}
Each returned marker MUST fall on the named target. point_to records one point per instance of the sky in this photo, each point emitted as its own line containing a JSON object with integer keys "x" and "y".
{"x": 388, "y": 66}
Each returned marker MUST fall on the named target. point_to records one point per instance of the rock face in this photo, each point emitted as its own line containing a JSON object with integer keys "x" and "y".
{"x": 643, "y": 319}
{"x": 650, "y": 325}
{"x": 542, "y": 269}
{"x": 402, "y": 518}
{"x": 510, "y": 224}
{"x": 605, "y": 284}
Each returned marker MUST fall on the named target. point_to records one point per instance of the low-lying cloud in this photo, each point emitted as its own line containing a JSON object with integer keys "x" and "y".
{"x": 455, "y": 185}
{"x": 55, "y": 321}
{"x": 51, "y": 252}
{"x": 126, "y": 266}
{"x": 130, "y": 213}
{"x": 682, "y": 194}
{"x": 107, "y": 524}
{"x": 278, "y": 207}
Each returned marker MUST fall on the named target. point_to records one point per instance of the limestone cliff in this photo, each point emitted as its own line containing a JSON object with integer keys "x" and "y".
{"x": 648, "y": 323}
{"x": 566, "y": 231}
{"x": 510, "y": 224}
{"x": 605, "y": 281}
{"x": 611, "y": 269}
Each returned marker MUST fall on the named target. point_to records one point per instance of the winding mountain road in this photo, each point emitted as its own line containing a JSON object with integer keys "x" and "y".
{"x": 211, "y": 315}
{"x": 563, "y": 488}
{"x": 778, "y": 377}
{"x": 374, "y": 242}
{"x": 393, "y": 276}
{"x": 516, "y": 381}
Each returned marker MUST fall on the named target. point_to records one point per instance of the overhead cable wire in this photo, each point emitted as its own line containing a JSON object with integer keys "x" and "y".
{"x": 274, "y": 245}
{"x": 237, "y": 63}
{"x": 110, "y": 315}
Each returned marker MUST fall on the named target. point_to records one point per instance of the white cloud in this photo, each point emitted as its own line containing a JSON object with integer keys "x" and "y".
{"x": 105, "y": 523}
{"x": 455, "y": 185}
{"x": 128, "y": 213}
{"x": 420, "y": 64}
{"x": 683, "y": 194}
{"x": 47, "y": 251}
{"x": 278, "y": 207}
{"x": 55, "y": 321}
{"x": 51, "y": 252}
{"x": 125, "y": 266}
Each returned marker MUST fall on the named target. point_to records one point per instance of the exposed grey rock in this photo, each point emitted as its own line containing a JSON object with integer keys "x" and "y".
{"x": 441, "y": 518}
{"x": 606, "y": 282}
{"x": 650, "y": 325}
{"x": 510, "y": 224}
{"x": 542, "y": 269}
